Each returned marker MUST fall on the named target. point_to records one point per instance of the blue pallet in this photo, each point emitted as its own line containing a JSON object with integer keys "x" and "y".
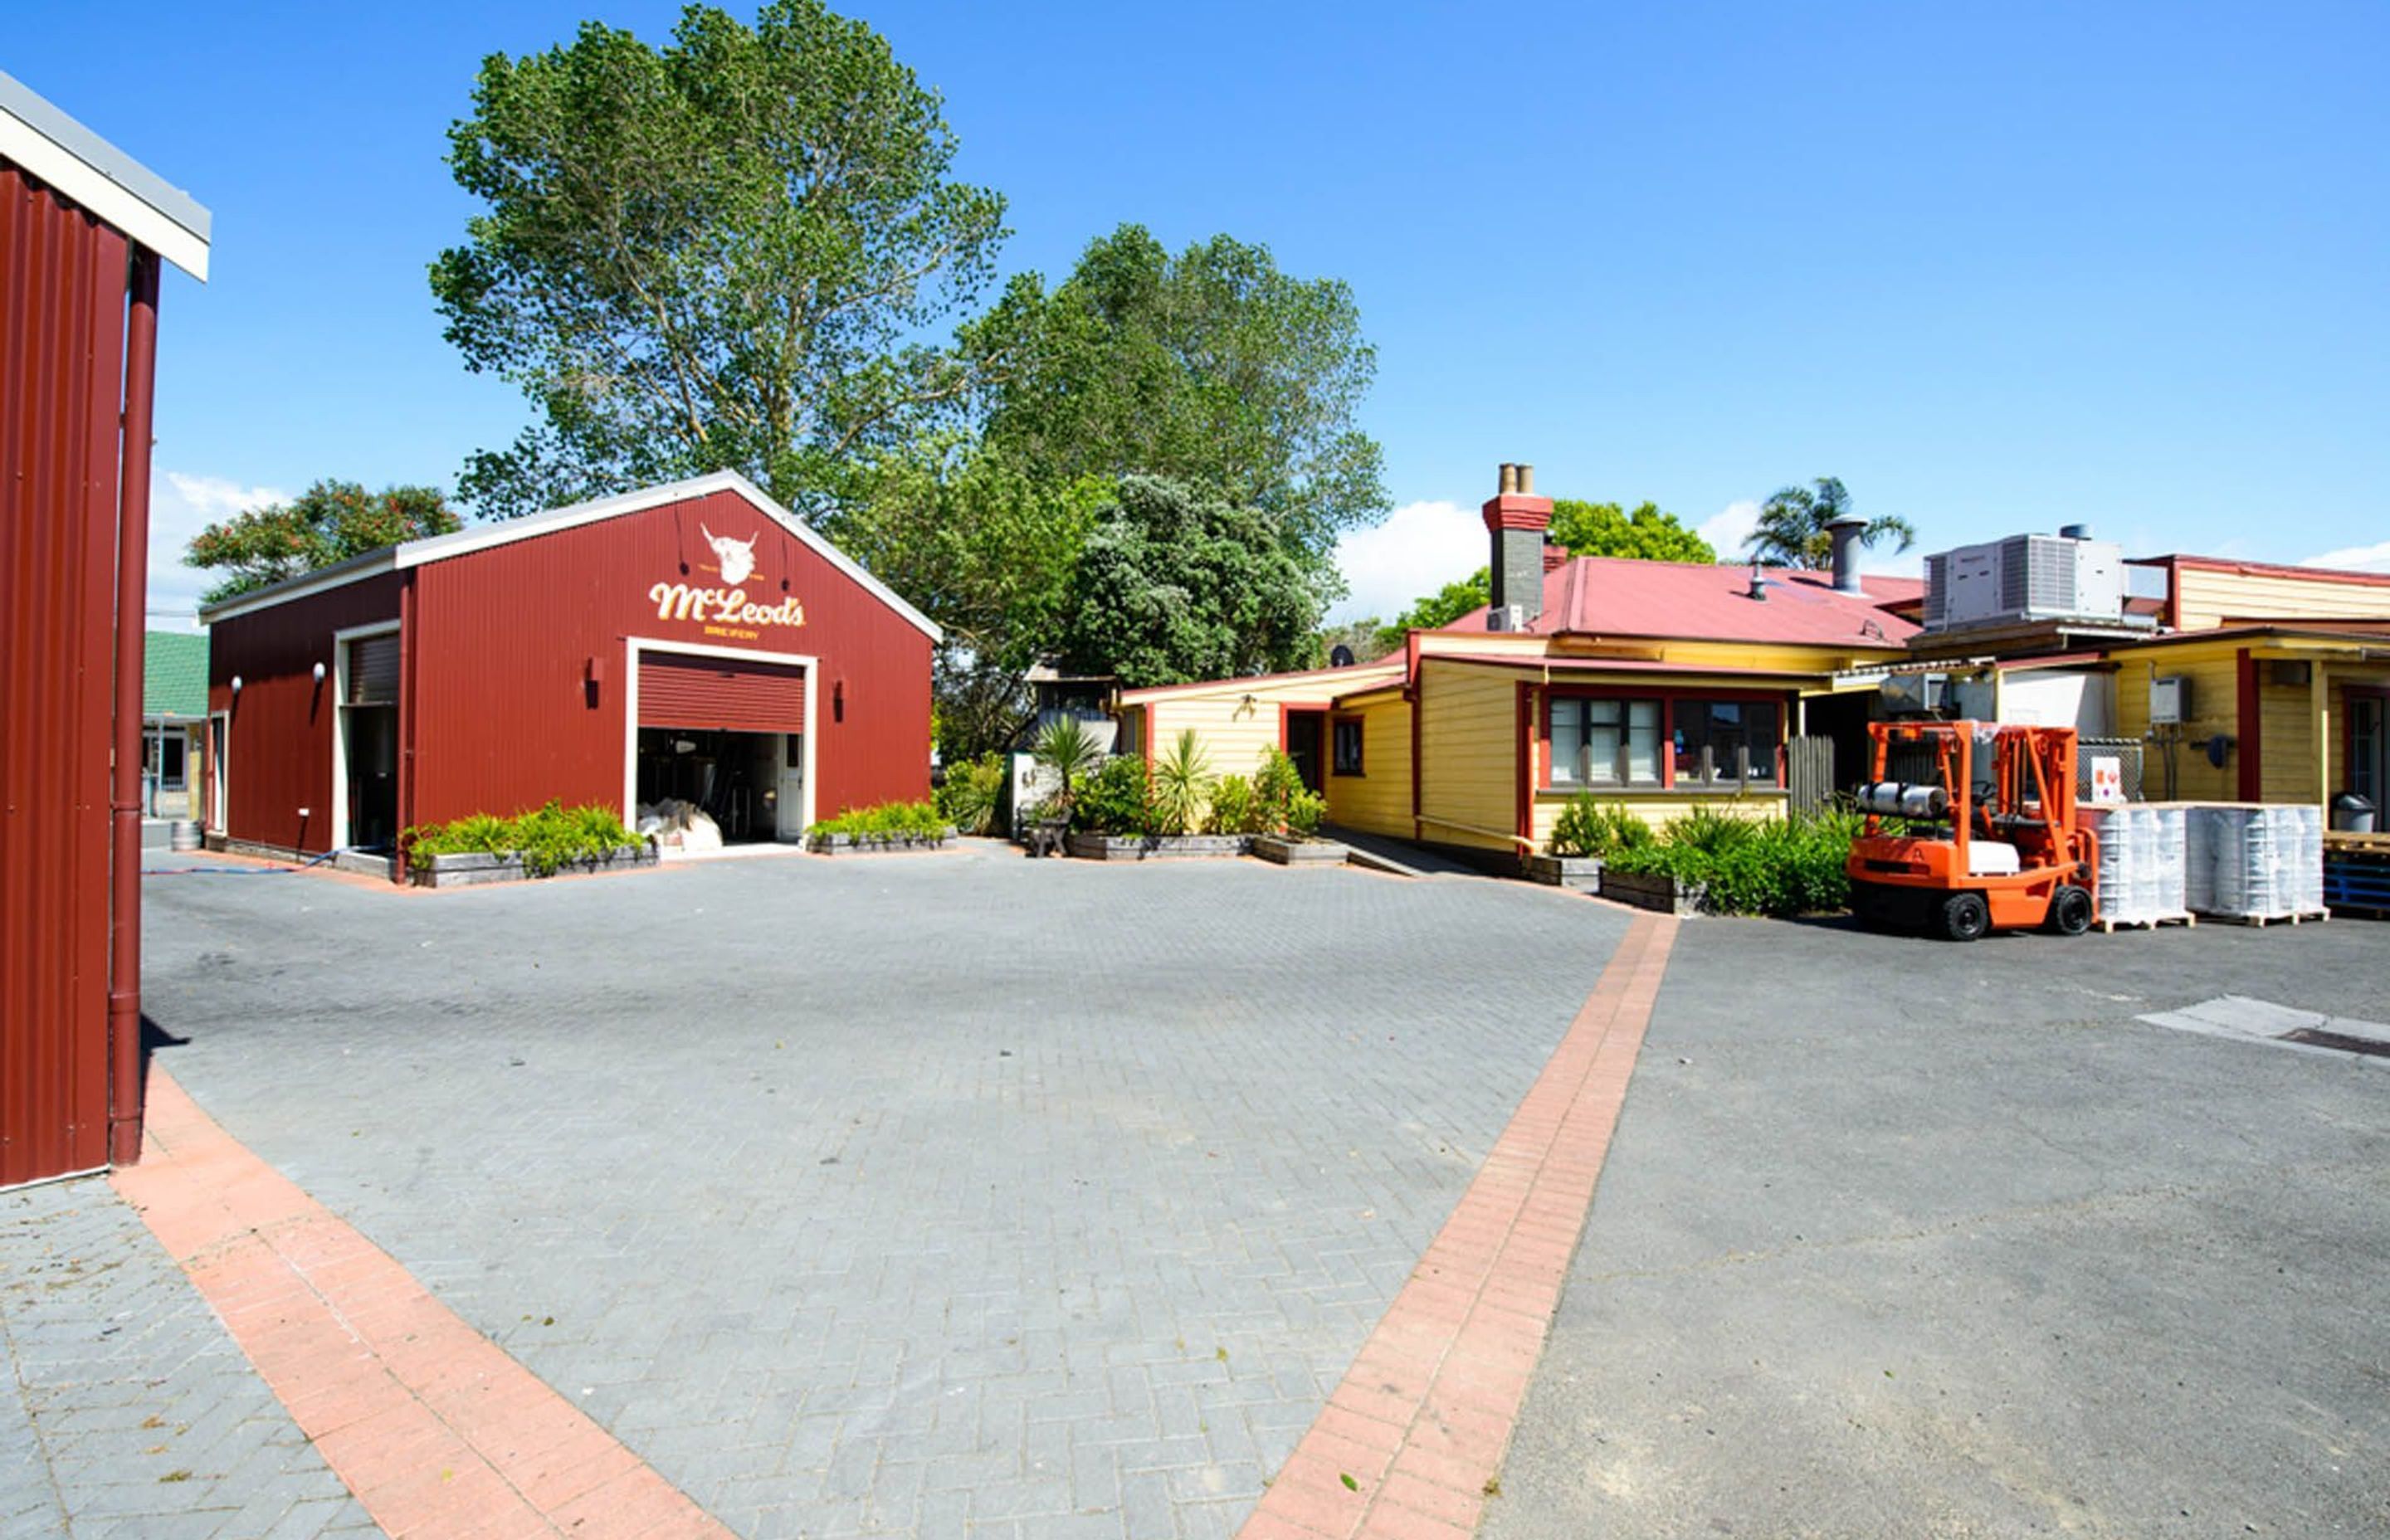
{"x": 2357, "y": 884}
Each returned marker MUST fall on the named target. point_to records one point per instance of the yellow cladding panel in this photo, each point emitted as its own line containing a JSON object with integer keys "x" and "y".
{"x": 1469, "y": 730}
{"x": 1236, "y": 720}
{"x": 1378, "y": 800}
{"x": 2205, "y": 597}
{"x": 1657, "y": 810}
{"x": 2213, "y": 673}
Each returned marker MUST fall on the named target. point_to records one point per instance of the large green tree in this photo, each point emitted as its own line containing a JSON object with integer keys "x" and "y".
{"x": 1177, "y": 584}
{"x": 1643, "y": 533}
{"x": 329, "y": 522}
{"x": 990, "y": 554}
{"x": 1211, "y": 367}
{"x": 1791, "y": 530}
{"x": 720, "y": 253}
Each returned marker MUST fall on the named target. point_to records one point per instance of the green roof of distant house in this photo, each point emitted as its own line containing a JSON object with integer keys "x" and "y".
{"x": 175, "y": 674}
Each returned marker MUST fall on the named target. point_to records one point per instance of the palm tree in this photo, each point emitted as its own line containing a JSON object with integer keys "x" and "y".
{"x": 1791, "y": 530}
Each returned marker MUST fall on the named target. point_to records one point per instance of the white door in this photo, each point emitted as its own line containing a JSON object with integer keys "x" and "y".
{"x": 219, "y": 740}
{"x": 791, "y": 801}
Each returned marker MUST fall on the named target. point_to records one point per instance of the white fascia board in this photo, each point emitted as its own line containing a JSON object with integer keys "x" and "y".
{"x": 444, "y": 547}
{"x": 102, "y": 180}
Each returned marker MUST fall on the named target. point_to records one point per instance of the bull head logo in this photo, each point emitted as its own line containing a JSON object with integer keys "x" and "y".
{"x": 737, "y": 557}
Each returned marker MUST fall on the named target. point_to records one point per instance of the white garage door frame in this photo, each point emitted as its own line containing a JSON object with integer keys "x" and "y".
{"x": 634, "y": 647}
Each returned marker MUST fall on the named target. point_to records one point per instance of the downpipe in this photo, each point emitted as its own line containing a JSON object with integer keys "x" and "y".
{"x": 124, "y": 1087}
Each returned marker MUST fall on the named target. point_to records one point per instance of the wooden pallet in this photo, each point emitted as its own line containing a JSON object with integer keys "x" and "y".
{"x": 2293, "y": 917}
{"x": 2183, "y": 917}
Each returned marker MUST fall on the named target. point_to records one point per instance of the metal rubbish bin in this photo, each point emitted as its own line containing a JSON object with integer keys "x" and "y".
{"x": 2352, "y": 813}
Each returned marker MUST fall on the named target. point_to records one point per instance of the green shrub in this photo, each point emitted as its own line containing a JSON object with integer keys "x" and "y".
{"x": 1235, "y": 809}
{"x": 1115, "y": 799}
{"x": 1178, "y": 786}
{"x": 1590, "y": 827}
{"x": 1787, "y": 867}
{"x": 549, "y": 838}
{"x": 1286, "y": 805}
{"x": 917, "y": 820}
{"x": 1071, "y": 751}
{"x": 971, "y": 791}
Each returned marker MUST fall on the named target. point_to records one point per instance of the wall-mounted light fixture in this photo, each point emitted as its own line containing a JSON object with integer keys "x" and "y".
{"x": 236, "y": 684}
{"x": 319, "y": 674}
{"x": 838, "y": 700}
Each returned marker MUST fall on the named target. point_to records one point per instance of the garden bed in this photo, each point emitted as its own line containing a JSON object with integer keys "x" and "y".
{"x": 473, "y": 868}
{"x": 1577, "y": 873}
{"x": 869, "y": 844}
{"x": 1659, "y": 890}
{"x": 1296, "y": 851}
{"x": 1156, "y": 847}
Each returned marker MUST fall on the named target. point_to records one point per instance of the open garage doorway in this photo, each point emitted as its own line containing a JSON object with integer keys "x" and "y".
{"x": 728, "y": 732}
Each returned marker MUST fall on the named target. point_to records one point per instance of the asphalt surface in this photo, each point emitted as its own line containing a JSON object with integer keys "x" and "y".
{"x": 1902, "y": 1238}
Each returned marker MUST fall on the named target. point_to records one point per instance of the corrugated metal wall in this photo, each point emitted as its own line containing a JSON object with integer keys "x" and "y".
{"x": 505, "y": 713}
{"x": 62, "y": 298}
{"x": 278, "y": 765}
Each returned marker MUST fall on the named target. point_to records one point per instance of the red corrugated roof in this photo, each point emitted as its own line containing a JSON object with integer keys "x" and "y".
{"x": 1616, "y": 596}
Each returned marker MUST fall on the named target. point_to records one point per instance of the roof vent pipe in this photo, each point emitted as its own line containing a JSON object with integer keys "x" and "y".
{"x": 1846, "y": 533}
{"x": 1758, "y": 589}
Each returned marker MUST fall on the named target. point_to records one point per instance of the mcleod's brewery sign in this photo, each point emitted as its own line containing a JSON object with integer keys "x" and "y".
{"x": 727, "y": 611}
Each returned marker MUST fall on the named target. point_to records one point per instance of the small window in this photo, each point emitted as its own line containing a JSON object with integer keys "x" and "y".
{"x": 171, "y": 766}
{"x": 1605, "y": 742}
{"x": 1348, "y": 746}
{"x": 1726, "y": 742}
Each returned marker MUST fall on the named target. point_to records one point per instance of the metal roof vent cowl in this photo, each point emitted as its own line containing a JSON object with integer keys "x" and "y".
{"x": 1847, "y": 533}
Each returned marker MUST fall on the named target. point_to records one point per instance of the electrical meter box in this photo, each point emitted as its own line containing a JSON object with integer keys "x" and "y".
{"x": 2169, "y": 701}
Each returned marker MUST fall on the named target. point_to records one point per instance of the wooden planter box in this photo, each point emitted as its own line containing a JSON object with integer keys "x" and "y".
{"x": 1577, "y": 873}
{"x": 1156, "y": 847}
{"x": 1299, "y": 851}
{"x": 472, "y": 869}
{"x": 866, "y": 845}
{"x": 1654, "y": 890}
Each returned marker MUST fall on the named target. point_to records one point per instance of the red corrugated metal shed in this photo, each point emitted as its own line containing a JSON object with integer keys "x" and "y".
{"x": 80, "y": 227}
{"x": 518, "y": 678}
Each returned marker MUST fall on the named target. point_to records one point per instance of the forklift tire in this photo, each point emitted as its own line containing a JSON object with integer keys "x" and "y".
{"x": 1965, "y": 917}
{"x": 2070, "y": 911}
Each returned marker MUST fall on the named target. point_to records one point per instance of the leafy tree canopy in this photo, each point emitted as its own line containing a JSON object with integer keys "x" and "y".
{"x": 1791, "y": 530}
{"x": 713, "y": 254}
{"x": 330, "y": 522}
{"x": 1643, "y": 534}
{"x": 1177, "y": 584}
{"x": 986, "y": 551}
{"x": 1212, "y": 368}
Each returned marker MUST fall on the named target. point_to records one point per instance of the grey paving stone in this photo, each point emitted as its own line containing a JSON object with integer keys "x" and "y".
{"x": 937, "y": 1152}
{"x": 128, "y": 1408}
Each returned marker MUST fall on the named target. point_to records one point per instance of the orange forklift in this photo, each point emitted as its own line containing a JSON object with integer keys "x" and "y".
{"x": 1987, "y": 838}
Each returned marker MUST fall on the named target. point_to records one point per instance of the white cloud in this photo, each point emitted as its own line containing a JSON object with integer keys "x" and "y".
{"x": 1728, "y": 527}
{"x": 2362, "y": 559}
{"x": 180, "y": 507}
{"x": 1420, "y": 548}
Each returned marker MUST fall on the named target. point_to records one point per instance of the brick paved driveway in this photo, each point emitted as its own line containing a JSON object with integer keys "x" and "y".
{"x": 933, "y": 1195}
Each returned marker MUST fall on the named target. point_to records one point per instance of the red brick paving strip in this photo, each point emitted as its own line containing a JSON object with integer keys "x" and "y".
{"x": 1406, "y": 1446}
{"x": 429, "y": 1423}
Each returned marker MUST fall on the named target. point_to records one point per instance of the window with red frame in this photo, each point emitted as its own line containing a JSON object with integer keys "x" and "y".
{"x": 1605, "y": 741}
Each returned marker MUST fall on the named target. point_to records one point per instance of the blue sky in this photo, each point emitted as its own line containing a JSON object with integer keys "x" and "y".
{"x": 1997, "y": 267}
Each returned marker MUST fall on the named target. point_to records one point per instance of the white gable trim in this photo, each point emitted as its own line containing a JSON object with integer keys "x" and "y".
{"x": 100, "y": 179}
{"x": 443, "y": 547}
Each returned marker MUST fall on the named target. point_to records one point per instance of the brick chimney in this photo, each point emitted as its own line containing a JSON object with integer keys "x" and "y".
{"x": 1517, "y": 519}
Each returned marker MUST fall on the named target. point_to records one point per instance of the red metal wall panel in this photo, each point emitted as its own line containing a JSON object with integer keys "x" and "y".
{"x": 277, "y": 766}
{"x": 683, "y": 690}
{"x": 62, "y": 299}
{"x": 505, "y": 715}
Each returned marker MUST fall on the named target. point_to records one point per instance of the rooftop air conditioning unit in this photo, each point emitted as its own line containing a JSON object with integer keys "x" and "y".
{"x": 2023, "y": 578}
{"x": 1507, "y": 617}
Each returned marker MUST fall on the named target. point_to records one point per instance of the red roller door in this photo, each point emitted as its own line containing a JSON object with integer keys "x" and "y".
{"x": 679, "y": 690}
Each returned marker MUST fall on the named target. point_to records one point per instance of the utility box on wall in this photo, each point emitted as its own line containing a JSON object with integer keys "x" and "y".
{"x": 2169, "y": 701}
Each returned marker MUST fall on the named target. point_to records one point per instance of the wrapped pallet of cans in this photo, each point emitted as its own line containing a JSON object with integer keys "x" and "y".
{"x": 2256, "y": 861}
{"x": 2141, "y": 865}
